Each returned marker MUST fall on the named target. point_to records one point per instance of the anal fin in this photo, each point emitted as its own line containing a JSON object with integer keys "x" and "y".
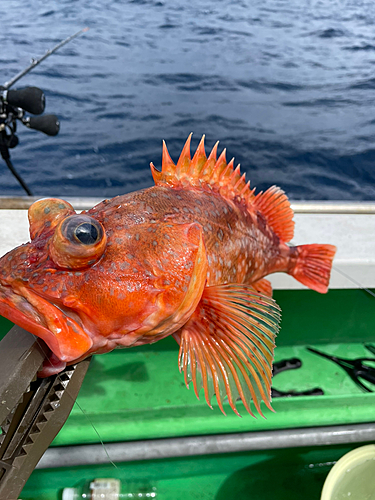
{"x": 263, "y": 286}
{"x": 227, "y": 346}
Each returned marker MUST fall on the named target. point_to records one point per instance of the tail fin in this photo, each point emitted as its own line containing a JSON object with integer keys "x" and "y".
{"x": 313, "y": 266}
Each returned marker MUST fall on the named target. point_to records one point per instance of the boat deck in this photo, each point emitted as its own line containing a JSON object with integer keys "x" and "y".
{"x": 161, "y": 435}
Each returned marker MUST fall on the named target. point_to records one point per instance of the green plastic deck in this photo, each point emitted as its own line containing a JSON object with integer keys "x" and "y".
{"x": 138, "y": 393}
{"x": 143, "y": 396}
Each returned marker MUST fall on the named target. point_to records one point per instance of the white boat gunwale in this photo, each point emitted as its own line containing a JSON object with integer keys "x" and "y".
{"x": 348, "y": 225}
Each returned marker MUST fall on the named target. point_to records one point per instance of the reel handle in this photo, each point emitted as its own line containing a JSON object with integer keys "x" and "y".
{"x": 48, "y": 124}
{"x": 31, "y": 99}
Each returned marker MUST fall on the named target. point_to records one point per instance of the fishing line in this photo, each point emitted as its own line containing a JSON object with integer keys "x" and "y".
{"x": 334, "y": 268}
{"x": 353, "y": 281}
{"x": 42, "y": 347}
{"x": 97, "y": 433}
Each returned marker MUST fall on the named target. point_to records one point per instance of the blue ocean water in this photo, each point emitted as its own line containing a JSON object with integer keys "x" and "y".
{"x": 287, "y": 86}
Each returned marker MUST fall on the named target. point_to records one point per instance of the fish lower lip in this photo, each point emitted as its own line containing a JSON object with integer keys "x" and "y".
{"x": 11, "y": 299}
{"x": 63, "y": 334}
{"x": 20, "y": 302}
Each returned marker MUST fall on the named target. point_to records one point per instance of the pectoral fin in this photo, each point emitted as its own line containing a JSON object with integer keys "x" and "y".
{"x": 227, "y": 346}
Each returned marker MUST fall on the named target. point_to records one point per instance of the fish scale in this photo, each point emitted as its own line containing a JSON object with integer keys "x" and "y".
{"x": 228, "y": 227}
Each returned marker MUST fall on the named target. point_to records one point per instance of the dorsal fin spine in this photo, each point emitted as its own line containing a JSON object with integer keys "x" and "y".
{"x": 213, "y": 154}
{"x": 227, "y": 172}
{"x": 167, "y": 162}
{"x": 218, "y": 169}
{"x": 168, "y": 171}
{"x": 199, "y": 159}
{"x": 238, "y": 183}
{"x": 156, "y": 174}
{"x": 245, "y": 188}
{"x": 184, "y": 161}
{"x": 235, "y": 175}
{"x": 210, "y": 163}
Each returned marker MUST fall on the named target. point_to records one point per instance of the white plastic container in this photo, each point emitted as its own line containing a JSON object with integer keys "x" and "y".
{"x": 109, "y": 489}
{"x": 352, "y": 477}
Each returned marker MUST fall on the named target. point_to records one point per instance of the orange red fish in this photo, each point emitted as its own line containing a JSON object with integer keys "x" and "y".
{"x": 187, "y": 257}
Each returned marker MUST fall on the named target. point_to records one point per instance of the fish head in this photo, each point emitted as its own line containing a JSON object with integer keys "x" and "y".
{"x": 86, "y": 284}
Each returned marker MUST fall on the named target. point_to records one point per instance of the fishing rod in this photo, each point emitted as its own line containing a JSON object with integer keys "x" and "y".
{"x": 14, "y": 104}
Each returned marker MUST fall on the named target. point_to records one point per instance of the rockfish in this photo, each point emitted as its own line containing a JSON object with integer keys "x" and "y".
{"x": 186, "y": 257}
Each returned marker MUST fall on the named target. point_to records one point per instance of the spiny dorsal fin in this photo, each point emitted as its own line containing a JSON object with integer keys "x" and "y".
{"x": 200, "y": 171}
{"x": 218, "y": 175}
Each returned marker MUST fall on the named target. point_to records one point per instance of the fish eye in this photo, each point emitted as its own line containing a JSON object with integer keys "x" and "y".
{"x": 79, "y": 241}
{"x": 86, "y": 233}
{"x": 81, "y": 229}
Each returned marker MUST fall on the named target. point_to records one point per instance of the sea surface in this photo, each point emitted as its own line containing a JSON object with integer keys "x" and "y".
{"x": 286, "y": 86}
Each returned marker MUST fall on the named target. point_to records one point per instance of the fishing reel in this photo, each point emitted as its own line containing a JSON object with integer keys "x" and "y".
{"x": 13, "y": 105}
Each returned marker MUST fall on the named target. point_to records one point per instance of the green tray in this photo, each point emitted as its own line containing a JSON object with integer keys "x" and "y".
{"x": 138, "y": 393}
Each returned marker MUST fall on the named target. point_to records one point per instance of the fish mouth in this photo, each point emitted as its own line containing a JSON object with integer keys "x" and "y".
{"x": 63, "y": 333}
